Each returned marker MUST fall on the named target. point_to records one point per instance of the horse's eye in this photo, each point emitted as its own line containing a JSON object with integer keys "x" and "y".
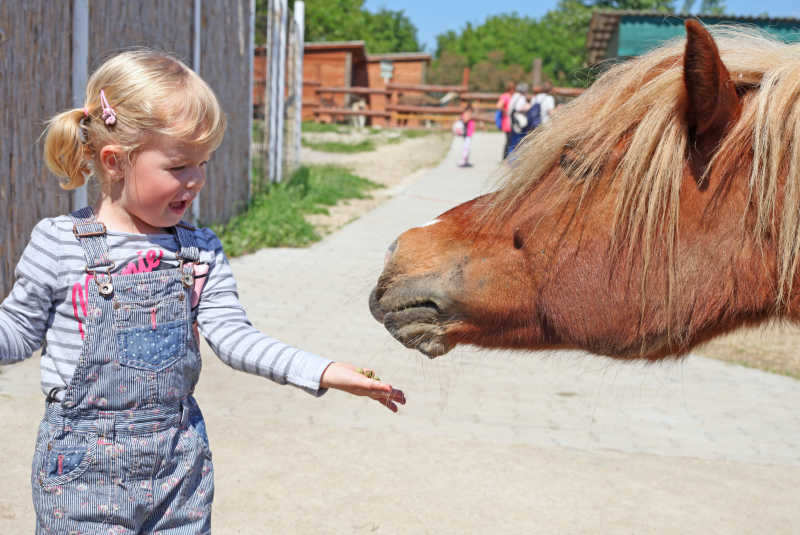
{"x": 518, "y": 242}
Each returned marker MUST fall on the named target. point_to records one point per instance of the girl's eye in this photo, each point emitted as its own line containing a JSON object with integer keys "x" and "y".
{"x": 204, "y": 164}
{"x": 178, "y": 168}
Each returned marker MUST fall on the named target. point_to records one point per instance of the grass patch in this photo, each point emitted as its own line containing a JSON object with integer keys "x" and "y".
{"x": 794, "y": 374}
{"x": 276, "y": 215}
{"x": 311, "y": 126}
{"x": 338, "y": 146}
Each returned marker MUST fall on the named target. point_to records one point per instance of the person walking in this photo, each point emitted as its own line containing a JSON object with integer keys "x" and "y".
{"x": 467, "y": 132}
{"x": 503, "y": 106}
{"x": 546, "y": 101}
{"x": 518, "y": 106}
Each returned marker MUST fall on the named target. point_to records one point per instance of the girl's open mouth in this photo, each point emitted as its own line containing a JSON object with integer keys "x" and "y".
{"x": 178, "y": 207}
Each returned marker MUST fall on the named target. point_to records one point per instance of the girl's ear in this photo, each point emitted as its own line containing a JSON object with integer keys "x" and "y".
{"x": 111, "y": 158}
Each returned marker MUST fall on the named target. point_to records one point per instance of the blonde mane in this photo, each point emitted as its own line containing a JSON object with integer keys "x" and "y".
{"x": 640, "y": 105}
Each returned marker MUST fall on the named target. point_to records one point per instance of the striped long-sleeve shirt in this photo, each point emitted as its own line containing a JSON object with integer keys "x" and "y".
{"x": 48, "y": 303}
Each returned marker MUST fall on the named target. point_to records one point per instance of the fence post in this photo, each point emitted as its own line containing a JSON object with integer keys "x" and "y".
{"x": 252, "y": 55}
{"x": 264, "y": 157}
{"x": 536, "y": 73}
{"x": 276, "y": 80}
{"x": 294, "y": 66}
{"x": 269, "y": 57}
{"x": 394, "y": 100}
{"x": 80, "y": 74}
{"x": 197, "y": 27}
{"x": 280, "y": 91}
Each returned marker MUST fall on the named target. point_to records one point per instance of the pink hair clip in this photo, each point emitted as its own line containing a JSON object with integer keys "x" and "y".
{"x": 108, "y": 112}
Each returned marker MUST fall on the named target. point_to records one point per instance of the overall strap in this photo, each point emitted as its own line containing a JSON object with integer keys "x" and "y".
{"x": 91, "y": 235}
{"x": 189, "y": 251}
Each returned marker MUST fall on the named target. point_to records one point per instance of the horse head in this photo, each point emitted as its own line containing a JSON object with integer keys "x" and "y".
{"x": 656, "y": 211}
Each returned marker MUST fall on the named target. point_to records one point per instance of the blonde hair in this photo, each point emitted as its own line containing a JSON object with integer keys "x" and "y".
{"x": 151, "y": 93}
{"x": 642, "y": 103}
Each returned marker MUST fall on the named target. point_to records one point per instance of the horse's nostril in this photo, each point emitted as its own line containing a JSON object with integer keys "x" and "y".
{"x": 374, "y": 307}
{"x": 518, "y": 241}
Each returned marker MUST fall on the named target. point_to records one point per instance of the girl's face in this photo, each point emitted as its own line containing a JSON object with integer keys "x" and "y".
{"x": 158, "y": 188}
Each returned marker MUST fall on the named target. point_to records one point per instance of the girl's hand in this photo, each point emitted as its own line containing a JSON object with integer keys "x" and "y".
{"x": 343, "y": 376}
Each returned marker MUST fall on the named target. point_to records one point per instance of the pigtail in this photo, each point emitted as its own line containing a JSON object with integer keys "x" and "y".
{"x": 65, "y": 148}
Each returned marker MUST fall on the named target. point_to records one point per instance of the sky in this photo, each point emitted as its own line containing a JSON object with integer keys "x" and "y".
{"x": 432, "y": 17}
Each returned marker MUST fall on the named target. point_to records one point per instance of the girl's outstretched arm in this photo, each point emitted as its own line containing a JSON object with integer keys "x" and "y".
{"x": 224, "y": 324}
{"x": 346, "y": 377}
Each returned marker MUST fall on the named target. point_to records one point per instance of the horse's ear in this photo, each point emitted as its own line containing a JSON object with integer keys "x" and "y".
{"x": 713, "y": 103}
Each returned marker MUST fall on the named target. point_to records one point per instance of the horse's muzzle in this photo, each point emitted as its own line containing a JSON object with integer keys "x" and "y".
{"x": 416, "y": 319}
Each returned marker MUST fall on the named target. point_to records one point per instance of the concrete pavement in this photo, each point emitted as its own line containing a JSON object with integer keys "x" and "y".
{"x": 489, "y": 442}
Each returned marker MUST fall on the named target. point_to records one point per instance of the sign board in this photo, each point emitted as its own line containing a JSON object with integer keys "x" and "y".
{"x": 387, "y": 70}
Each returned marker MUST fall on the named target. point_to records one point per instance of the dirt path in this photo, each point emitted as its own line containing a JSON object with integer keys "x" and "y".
{"x": 394, "y": 166}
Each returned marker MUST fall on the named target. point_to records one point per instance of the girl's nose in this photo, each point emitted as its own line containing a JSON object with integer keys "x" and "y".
{"x": 195, "y": 179}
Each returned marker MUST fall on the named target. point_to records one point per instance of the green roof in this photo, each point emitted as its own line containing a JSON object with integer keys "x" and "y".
{"x": 639, "y": 34}
{"x": 623, "y": 34}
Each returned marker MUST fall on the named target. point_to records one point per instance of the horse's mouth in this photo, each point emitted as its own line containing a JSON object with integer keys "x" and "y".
{"x": 416, "y": 322}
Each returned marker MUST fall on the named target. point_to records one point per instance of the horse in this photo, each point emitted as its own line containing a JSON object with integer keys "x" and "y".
{"x": 656, "y": 211}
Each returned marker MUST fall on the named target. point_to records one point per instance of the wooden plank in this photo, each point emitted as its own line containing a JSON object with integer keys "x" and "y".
{"x": 118, "y": 26}
{"x": 480, "y": 96}
{"x": 426, "y": 88}
{"x": 225, "y": 65}
{"x": 35, "y": 84}
{"x": 353, "y": 90}
{"x": 348, "y": 111}
{"x": 428, "y": 116}
{"x": 424, "y": 109}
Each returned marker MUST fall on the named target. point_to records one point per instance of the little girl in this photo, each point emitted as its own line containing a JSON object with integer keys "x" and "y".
{"x": 116, "y": 293}
{"x": 467, "y": 132}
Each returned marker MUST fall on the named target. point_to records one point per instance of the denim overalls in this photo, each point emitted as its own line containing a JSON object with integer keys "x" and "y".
{"x": 125, "y": 450}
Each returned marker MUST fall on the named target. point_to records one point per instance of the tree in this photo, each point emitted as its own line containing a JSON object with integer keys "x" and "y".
{"x": 447, "y": 69}
{"x": 390, "y": 31}
{"x": 638, "y": 5}
{"x": 712, "y": 7}
{"x": 347, "y": 20}
{"x": 335, "y": 20}
{"x": 558, "y": 38}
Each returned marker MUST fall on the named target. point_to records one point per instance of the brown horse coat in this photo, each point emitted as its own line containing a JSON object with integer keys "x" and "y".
{"x": 658, "y": 210}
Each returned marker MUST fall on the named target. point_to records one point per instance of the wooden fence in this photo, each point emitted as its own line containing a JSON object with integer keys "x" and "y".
{"x": 411, "y": 104}
{"x": 47, "y": 48}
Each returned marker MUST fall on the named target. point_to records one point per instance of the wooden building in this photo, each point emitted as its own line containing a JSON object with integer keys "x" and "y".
{"x": 340, "y": 64}
{"x": 398, "y": 68}
{"x": 336, "y": 74}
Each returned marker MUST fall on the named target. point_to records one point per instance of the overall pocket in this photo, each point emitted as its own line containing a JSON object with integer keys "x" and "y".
{"x": 66, "y": 458}
{"x": 151, "y": 334}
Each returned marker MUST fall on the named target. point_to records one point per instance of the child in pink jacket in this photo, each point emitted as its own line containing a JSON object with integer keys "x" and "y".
{"x": 468, "y": 131}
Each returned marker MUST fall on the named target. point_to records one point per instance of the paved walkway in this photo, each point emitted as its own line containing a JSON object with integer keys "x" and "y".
{"x": 490, "y": 442}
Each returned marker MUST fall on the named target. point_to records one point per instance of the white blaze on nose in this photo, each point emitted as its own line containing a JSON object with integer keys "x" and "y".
{"x": 429, "y": 223}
